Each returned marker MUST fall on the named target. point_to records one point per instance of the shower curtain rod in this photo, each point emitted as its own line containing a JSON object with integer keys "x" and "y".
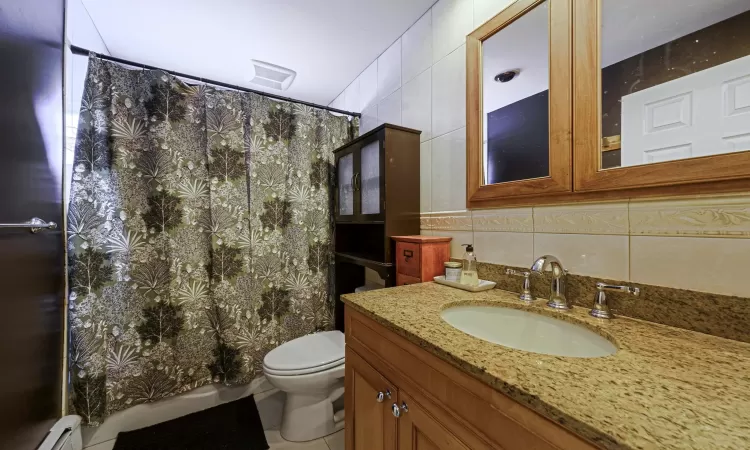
{"x": 82, "y": 51}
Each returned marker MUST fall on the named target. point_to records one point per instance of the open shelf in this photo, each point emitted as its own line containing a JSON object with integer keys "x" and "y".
{"x": 362, "y": 259}
{"x": 365, "y": 240}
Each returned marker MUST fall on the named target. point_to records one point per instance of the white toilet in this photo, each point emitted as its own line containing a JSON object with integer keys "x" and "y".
{"x": 310, "y": 369}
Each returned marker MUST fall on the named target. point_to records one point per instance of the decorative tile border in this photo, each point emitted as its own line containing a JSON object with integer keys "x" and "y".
{"x": 723, "y": 216}
{"x": 719, "y": 315}
{"x": 447, "y": 221}
{"x": 607, "y": 218}
{"x": 519, "y": 220}
{"x": 424, "y": 222}
{"x": 699, "y": 217}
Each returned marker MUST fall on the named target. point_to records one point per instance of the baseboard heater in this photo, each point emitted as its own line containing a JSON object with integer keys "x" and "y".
{"x": 65, "y": 434}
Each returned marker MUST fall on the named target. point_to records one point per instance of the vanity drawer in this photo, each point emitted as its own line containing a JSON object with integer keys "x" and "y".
{"x": 403, "y": 280}
{"x": 408, "y": 257}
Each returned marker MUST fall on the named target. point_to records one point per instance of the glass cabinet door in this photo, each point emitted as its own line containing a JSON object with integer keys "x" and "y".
{"x": 346, "y": 186}
{"x": 370, "y": 178}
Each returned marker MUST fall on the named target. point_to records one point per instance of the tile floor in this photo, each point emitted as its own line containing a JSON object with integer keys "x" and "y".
{"x": 275, "y": 441}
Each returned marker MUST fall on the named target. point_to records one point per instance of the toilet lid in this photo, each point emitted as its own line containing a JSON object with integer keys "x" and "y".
{"x": 307, "y": 352}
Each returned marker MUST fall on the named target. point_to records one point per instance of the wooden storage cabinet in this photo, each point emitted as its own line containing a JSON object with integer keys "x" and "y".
{"x": 439, "y": 406}
{"x": 376, "y": 197}
{"x": 420, "y": 258}
{"x": 379, "y": 169}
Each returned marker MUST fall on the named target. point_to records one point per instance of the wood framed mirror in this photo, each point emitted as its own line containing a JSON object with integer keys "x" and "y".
{"x": 661, "y": 96}
{"x": 519, "y": 104}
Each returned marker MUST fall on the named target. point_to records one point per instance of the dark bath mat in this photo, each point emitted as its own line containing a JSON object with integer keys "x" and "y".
{"x": 231, "y": 426}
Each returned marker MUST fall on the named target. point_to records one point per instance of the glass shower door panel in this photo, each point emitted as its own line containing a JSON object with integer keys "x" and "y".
{"x": 371, "y": 178}
{"x": 346, "y": 189}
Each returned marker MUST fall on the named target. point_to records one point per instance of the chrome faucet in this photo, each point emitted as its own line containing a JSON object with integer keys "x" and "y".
{"x": 557, "y": 299}
{"x": 601, "y": 308}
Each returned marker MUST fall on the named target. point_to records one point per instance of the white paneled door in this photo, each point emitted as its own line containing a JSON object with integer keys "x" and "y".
{"x": 705, "y": 113}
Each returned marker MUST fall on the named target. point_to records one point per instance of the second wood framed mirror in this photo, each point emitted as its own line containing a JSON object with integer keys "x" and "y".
{"x": 519, "y": 104}
{"x": 662, "y": 99}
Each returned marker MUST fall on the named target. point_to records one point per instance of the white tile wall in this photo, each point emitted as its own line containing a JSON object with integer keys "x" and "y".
{"x": 369, "y": 119}
{"x": 423, "y": 75}
{"x": 425, "y": 177}
{"x": 452, "y": 20}
{"x": 416, "y": 48}
{"x": 459, "y": 238}
{"x": 368, "y": 87}
{"x": 389, "y": 70}
{"x": 416, "y": 98}
{"x": 512, "y": 249}
{"x": 448, "y": 93}
{"x": 351, "y": 96}
{"x": 603, "y": 256}
{"x": 389, "y": 109}
{"x": 716, "y": 265}
{"x": 339, "y": 102}
{"x": 449, "y": 171}
{"x": 485, "y": 10}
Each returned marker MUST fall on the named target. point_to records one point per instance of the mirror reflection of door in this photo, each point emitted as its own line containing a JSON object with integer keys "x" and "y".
{"x": 675, "y": 80}
{"x": 515, "y": 99}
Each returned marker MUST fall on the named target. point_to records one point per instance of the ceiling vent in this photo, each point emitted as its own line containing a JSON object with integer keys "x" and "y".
{"x": 272, "y": 76}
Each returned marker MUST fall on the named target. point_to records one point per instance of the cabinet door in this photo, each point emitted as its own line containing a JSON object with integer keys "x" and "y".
{"x": 345, "y": 170}
{"x": 370, "y": 423}
{"x": 369, "y": 182}
{"x": 418, "y": 430}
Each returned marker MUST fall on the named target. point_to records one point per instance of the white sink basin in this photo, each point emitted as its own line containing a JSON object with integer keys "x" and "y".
{"x": 527, "y": 331}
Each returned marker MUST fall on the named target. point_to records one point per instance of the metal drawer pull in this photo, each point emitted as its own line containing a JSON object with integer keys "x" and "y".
{"x": 397, "y": 410}
{"x": 382, "y": 395}
{"x": 408, "y": 254}
{"x": 34, "y": 225}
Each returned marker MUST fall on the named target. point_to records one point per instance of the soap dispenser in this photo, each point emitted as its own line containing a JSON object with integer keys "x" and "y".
{"x": 469, "y": 271}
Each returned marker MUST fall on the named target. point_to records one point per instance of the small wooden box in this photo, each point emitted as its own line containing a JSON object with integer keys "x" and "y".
{"x": 419, "y": 259}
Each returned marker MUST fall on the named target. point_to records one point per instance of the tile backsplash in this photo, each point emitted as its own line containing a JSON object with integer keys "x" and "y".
{"x": 699, "y": 243}
{"x": 720, "y": 315}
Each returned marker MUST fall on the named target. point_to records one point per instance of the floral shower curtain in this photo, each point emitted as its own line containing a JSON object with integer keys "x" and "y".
{"x": 199, "y": 235}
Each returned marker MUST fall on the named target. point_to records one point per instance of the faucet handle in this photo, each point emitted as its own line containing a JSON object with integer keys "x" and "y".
{"x": 525, "y": 295}
{"x": 611, "y": 287}
{"x": 601, "y": 308}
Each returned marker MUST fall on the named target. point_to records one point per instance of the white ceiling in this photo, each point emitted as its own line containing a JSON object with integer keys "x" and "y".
{"x": 327, "y": 42}
{"x": 629, "y": 27}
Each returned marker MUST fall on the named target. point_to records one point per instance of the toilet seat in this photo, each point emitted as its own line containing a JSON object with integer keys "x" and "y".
{"x": 309, "y": 370}
{"x": 309, "y": 354}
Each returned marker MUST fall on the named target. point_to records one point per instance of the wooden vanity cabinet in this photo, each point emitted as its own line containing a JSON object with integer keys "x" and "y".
{"x": 370, "y": 396}
{"x": 418, "y": 430}
{"x": 439, "y": 406}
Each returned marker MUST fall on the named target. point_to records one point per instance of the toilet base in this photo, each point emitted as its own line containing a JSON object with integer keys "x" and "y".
{"x": 310, "y": 416}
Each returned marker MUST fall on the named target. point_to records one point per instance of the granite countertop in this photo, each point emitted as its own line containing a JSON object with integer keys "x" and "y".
{"x": 665, "y": 388}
